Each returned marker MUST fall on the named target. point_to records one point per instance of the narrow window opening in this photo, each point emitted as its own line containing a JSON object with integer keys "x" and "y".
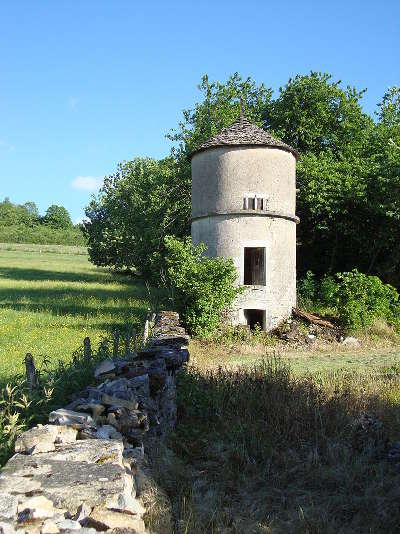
{"x": 254, "y": 266}
{"x": 253, "y": 203}
{"x": 254, "y": 317}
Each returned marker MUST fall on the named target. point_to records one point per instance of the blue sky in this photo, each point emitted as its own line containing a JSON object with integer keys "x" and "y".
{"x": 85, "y": 84}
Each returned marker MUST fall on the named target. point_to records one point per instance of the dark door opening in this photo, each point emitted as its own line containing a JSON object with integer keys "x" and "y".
{"x": 254, "y": 266}
{"x": 254, "y": 317}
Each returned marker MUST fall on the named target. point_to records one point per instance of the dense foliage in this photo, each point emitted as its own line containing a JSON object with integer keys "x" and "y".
{"x": 348, "y": 178}
{"x": 357, "y": 299}
{"x": 57, "y": 217}
{"x": 21, "y": 223}
{"x": 202, "y": 287}
{"x": 348, "y": 175}
{"x": 135, "y": 209}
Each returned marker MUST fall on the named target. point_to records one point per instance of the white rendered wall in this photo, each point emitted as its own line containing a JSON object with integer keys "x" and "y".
{"x": 228, "y": 235}
{"x": 221, "y": 178}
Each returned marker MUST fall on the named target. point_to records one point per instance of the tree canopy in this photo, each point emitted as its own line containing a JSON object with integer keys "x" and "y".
{"x": 135, "y": 209}
{"x": 57, "y": 217}
{"x": 348, "y": 177}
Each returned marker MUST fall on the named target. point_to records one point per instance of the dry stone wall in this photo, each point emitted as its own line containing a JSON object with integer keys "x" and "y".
{"x": 82, "y": 473}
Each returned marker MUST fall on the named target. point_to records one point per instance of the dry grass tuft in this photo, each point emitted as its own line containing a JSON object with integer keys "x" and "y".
{"x": 158, "y": 517}
{"x": 260, "y": 450}
{"x": 380, "y": 334}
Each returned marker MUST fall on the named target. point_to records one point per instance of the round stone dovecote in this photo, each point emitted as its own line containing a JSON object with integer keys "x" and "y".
{"x": 243, "y": 207}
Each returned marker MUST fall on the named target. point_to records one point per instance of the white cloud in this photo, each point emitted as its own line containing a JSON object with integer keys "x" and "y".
{"x": 6, "y": 146}
{"x": 80, "y": 220}
{"x": 73, "y": 102}
{"x": 87, "y": 183}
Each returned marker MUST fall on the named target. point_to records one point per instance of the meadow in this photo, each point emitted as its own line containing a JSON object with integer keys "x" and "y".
{"x": 268, "y": 440}
{"x": 52, "y": 297}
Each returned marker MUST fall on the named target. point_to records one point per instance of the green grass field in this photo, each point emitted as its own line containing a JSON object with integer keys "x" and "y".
{"x": 51, "y": 297}
{"x": 50, "y": 301}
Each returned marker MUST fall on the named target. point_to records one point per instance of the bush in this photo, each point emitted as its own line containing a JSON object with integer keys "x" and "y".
{"x": 327, "y": 291}
{"x": 361, "y": 299}
{"x": 203, "y": 288}
{"x": 307, "y": 288}
{"x": 358, "y": 299}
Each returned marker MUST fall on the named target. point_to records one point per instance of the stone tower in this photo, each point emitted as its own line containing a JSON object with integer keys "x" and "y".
{"x": 243, "y": 207}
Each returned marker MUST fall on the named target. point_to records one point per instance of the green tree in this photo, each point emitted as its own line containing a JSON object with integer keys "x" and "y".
{"x": 348, "y": 177}
{"x": 219, "y": 108}
{"x": 147, "y": 199}
{"x": 57, "y": 217}
{"x": 381, "y": 209}
{"x": 346, "y": 174}
{"x": 32, "y": 209}
{"x": 135, "y": 208}
{"x": 16, "y": 214}
{"x": 315, "y": 114}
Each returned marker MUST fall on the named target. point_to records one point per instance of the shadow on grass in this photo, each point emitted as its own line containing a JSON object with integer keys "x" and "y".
{"x": 257, "y": 449}
{"x": 84, "y": 300}
{"x": 102, "y": 276}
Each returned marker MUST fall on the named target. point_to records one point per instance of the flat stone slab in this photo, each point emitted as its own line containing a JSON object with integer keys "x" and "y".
{"x": 44, "y": 438}
{"x": 170, "y": 339}
{"x": 89, "y": 473}
{"x": 104, "y": 519}
{"x": 105, "y": 367}
{"x": 69, "y": 417}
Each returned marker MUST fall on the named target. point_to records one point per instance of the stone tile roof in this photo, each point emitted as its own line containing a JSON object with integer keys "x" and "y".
{"x": 244, "y": 133}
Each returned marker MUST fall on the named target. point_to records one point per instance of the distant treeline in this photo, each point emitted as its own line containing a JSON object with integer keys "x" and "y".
{"x": 22, "y": 223}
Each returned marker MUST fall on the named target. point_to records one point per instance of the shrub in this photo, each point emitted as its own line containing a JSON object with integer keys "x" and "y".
{"x": 328, "y": 291}
{"x": 362, "y": 298}
{"x": 307, "y": 288}
{"x": 203, "y": 288}
{"x": 358, "y": 299}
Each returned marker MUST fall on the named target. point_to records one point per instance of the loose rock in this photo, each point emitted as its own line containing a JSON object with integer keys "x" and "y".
{"x": 351, "y": 341}
{"x": 107, "y": 366}
{"x": 73, "y": 419}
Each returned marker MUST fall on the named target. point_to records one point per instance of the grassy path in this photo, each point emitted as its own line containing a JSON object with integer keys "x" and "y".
{"x": 335, "y": 358}
{"x": 50, "y": 301}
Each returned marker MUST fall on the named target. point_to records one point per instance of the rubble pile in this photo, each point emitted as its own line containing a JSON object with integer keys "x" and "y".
{"x": 81, "y": 472}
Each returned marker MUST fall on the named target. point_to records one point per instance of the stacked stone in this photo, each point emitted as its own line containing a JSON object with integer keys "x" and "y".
{"x": 82, "y": 472}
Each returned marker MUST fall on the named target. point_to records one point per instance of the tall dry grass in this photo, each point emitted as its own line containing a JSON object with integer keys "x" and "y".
{"x": 259, "y": 450}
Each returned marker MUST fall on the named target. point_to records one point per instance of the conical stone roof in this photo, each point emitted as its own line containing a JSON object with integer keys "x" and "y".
{"x": 244, "y": 133}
